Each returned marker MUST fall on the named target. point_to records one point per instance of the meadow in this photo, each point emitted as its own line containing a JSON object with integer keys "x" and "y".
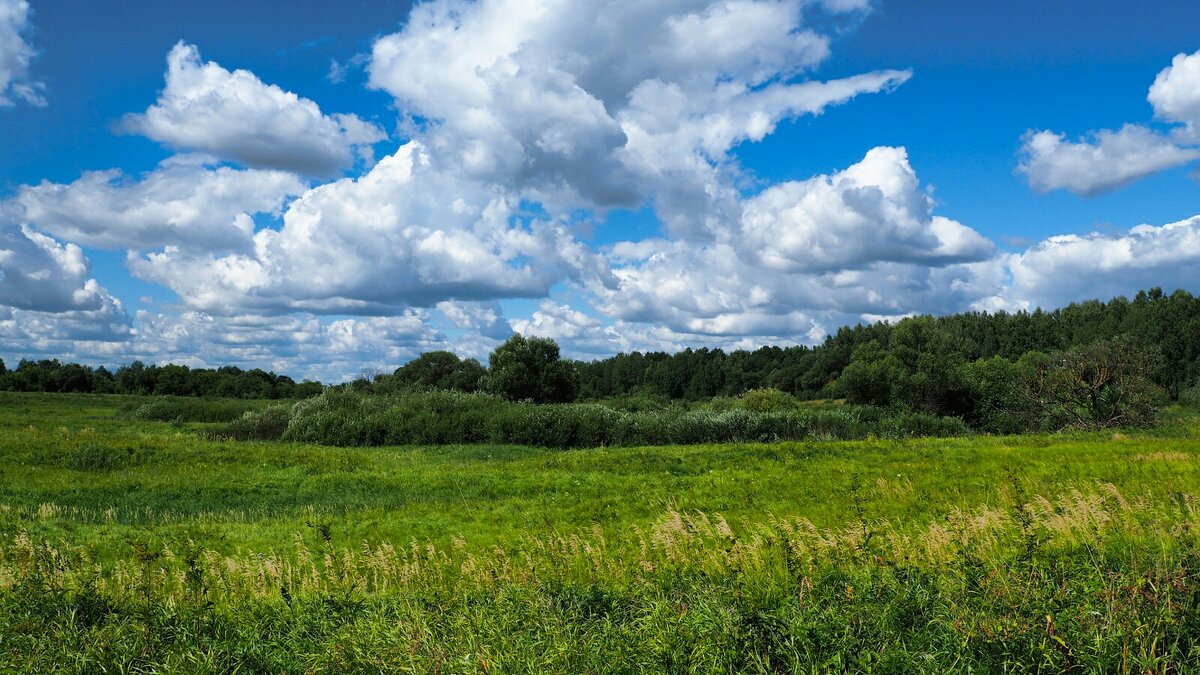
{"x": 130, "y": 544}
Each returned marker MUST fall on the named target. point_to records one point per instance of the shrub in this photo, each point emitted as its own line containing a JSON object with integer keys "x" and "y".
{"x": 264, "y": 425}
{"x": 995, "y": 404}
{"x": 442, "y": 417}
{"x": 1191, "y": 397}
{"x": 178, "y": 409}
{"x": 767, "y": 400}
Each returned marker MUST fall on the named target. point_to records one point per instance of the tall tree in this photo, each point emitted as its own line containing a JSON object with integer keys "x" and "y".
{"x": 531, "y": 369}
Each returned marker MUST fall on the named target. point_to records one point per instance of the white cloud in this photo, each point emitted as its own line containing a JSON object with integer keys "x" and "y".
{"x": 404, "y": 234}
{"x": 1066, "y": 268}
{"x": 806, "y": 256}
{"x": 1106, "y": 161}
{"x": 589, "y": 104}
{"x": 872, "y": 212}
{"x": 40, "y": 274}
{"x": 1175, "y": 94}
{"x": 300, "y": 345}
{"x": 545, "y": 105}
{"x": 179, "y": 203}
{"x": 483, "y": 318}
{"x": 15, "y": 56}
{"x": 48, "y": 299}
{"x": 556, "y": 321}
{"x": 237, "y": 117}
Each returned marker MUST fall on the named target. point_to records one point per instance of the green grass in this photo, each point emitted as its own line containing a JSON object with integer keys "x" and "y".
{"x": 923, "y": 554}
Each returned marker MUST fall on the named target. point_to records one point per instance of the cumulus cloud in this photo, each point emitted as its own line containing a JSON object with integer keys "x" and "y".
{"x": 872, "y": 212}
{"x": 1065, "y": 268}
{"x": 1105, "y": 161}
{"x": 525, "y": 120}
{"x": 521, "y": 117}
{"x": 485, "y": 319}
{"x": 405, "y": 234}
{"x": 560, "y": 322}
{"x": 15, "y": 56}
{"x": 41, "y": 274}
{"x": 48, "y": 299}
{"x": 1175, "y": 94}
{"x": 301, "y": 345}
{"x": 590, "y": 104}
{"x": 806, "y": 255}
{"x": 181, "y": 203}
{"x": 236, "y": 116}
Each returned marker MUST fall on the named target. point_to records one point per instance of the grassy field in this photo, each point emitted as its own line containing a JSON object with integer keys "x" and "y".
{"x": 137, "y": 546}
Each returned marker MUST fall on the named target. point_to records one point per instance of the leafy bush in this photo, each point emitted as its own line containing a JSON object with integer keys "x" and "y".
{"x": 993, "y": 387}
{"x": 178, "y": 409}
{"x": 767, "y": 400}
{"x": 261, "y": 425}
{"x": 1191, "y": 397}
{"x": 345, "y": 418}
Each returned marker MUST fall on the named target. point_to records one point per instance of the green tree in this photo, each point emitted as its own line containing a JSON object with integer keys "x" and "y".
{"x": 871, "y": 375}
{"x": 530, "y": 369}
{"x": 1095, "y": 386}
{"x": 994, "y": 404}
{"x": 441, "y": 370}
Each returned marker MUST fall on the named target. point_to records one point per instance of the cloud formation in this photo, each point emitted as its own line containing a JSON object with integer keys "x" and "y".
{"x": 404, "y": 234}
{"x": 15, "y": 56}
{"x": 860, "y": 241}
{"x": 590, "y": 104}
{"x": 1175, "y": 94}
{"x": 41, "y": 274}
{"x": 1104, "y": 162}
{"x": 520, "y": 118}
{"x": 525, "y": 124}
{"x": 237, "y": 117}
{"x": 1107, "y": 160}
{"x": 183, "y": 202}
{"x": 49, "y": 301}
{"x": 1065, "y": 268}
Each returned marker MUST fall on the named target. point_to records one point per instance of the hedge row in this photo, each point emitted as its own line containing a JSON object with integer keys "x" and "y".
{"x": 439, "y": 418}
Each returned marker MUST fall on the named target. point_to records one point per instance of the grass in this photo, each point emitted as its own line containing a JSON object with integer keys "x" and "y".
{"x": 136, "y": 545}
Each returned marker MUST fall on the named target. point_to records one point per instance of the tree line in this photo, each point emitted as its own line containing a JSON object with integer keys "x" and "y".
{"x": 959, "y": 365}
{"x": 53, "y": 376}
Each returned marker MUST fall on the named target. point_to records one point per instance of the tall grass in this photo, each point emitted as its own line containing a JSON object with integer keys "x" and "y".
{"x": 1089, "y": 581}
{"x": 344, "y": 418}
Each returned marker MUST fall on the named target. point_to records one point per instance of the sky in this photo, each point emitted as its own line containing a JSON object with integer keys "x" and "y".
{"x": 320, "y": 188}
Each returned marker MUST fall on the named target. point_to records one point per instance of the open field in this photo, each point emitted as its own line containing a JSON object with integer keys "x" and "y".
{"x": 138, "y": 546}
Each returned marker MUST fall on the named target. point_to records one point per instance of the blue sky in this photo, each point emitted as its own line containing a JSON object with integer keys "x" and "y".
{"x": 655, "y": 176}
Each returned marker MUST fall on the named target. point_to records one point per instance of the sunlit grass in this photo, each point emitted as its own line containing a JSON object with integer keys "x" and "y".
{"x": 127, "y": 544}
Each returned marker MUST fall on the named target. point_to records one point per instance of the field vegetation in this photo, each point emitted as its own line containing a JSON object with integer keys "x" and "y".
{"x": 128, "y": 545}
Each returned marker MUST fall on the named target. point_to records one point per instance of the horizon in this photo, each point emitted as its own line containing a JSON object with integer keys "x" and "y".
{"x": 352, "y": 186}
{"x": 114, "y": 367}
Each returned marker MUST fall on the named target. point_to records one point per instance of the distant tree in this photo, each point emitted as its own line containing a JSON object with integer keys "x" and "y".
{"x": 531, "y": 369}
{"x": 917, "y": 369}
{"x": 1096, "y": 386}
{"x": 870, "y": 376}
{"x": 441, "y": 370}
{"x": 993, "y": 400}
